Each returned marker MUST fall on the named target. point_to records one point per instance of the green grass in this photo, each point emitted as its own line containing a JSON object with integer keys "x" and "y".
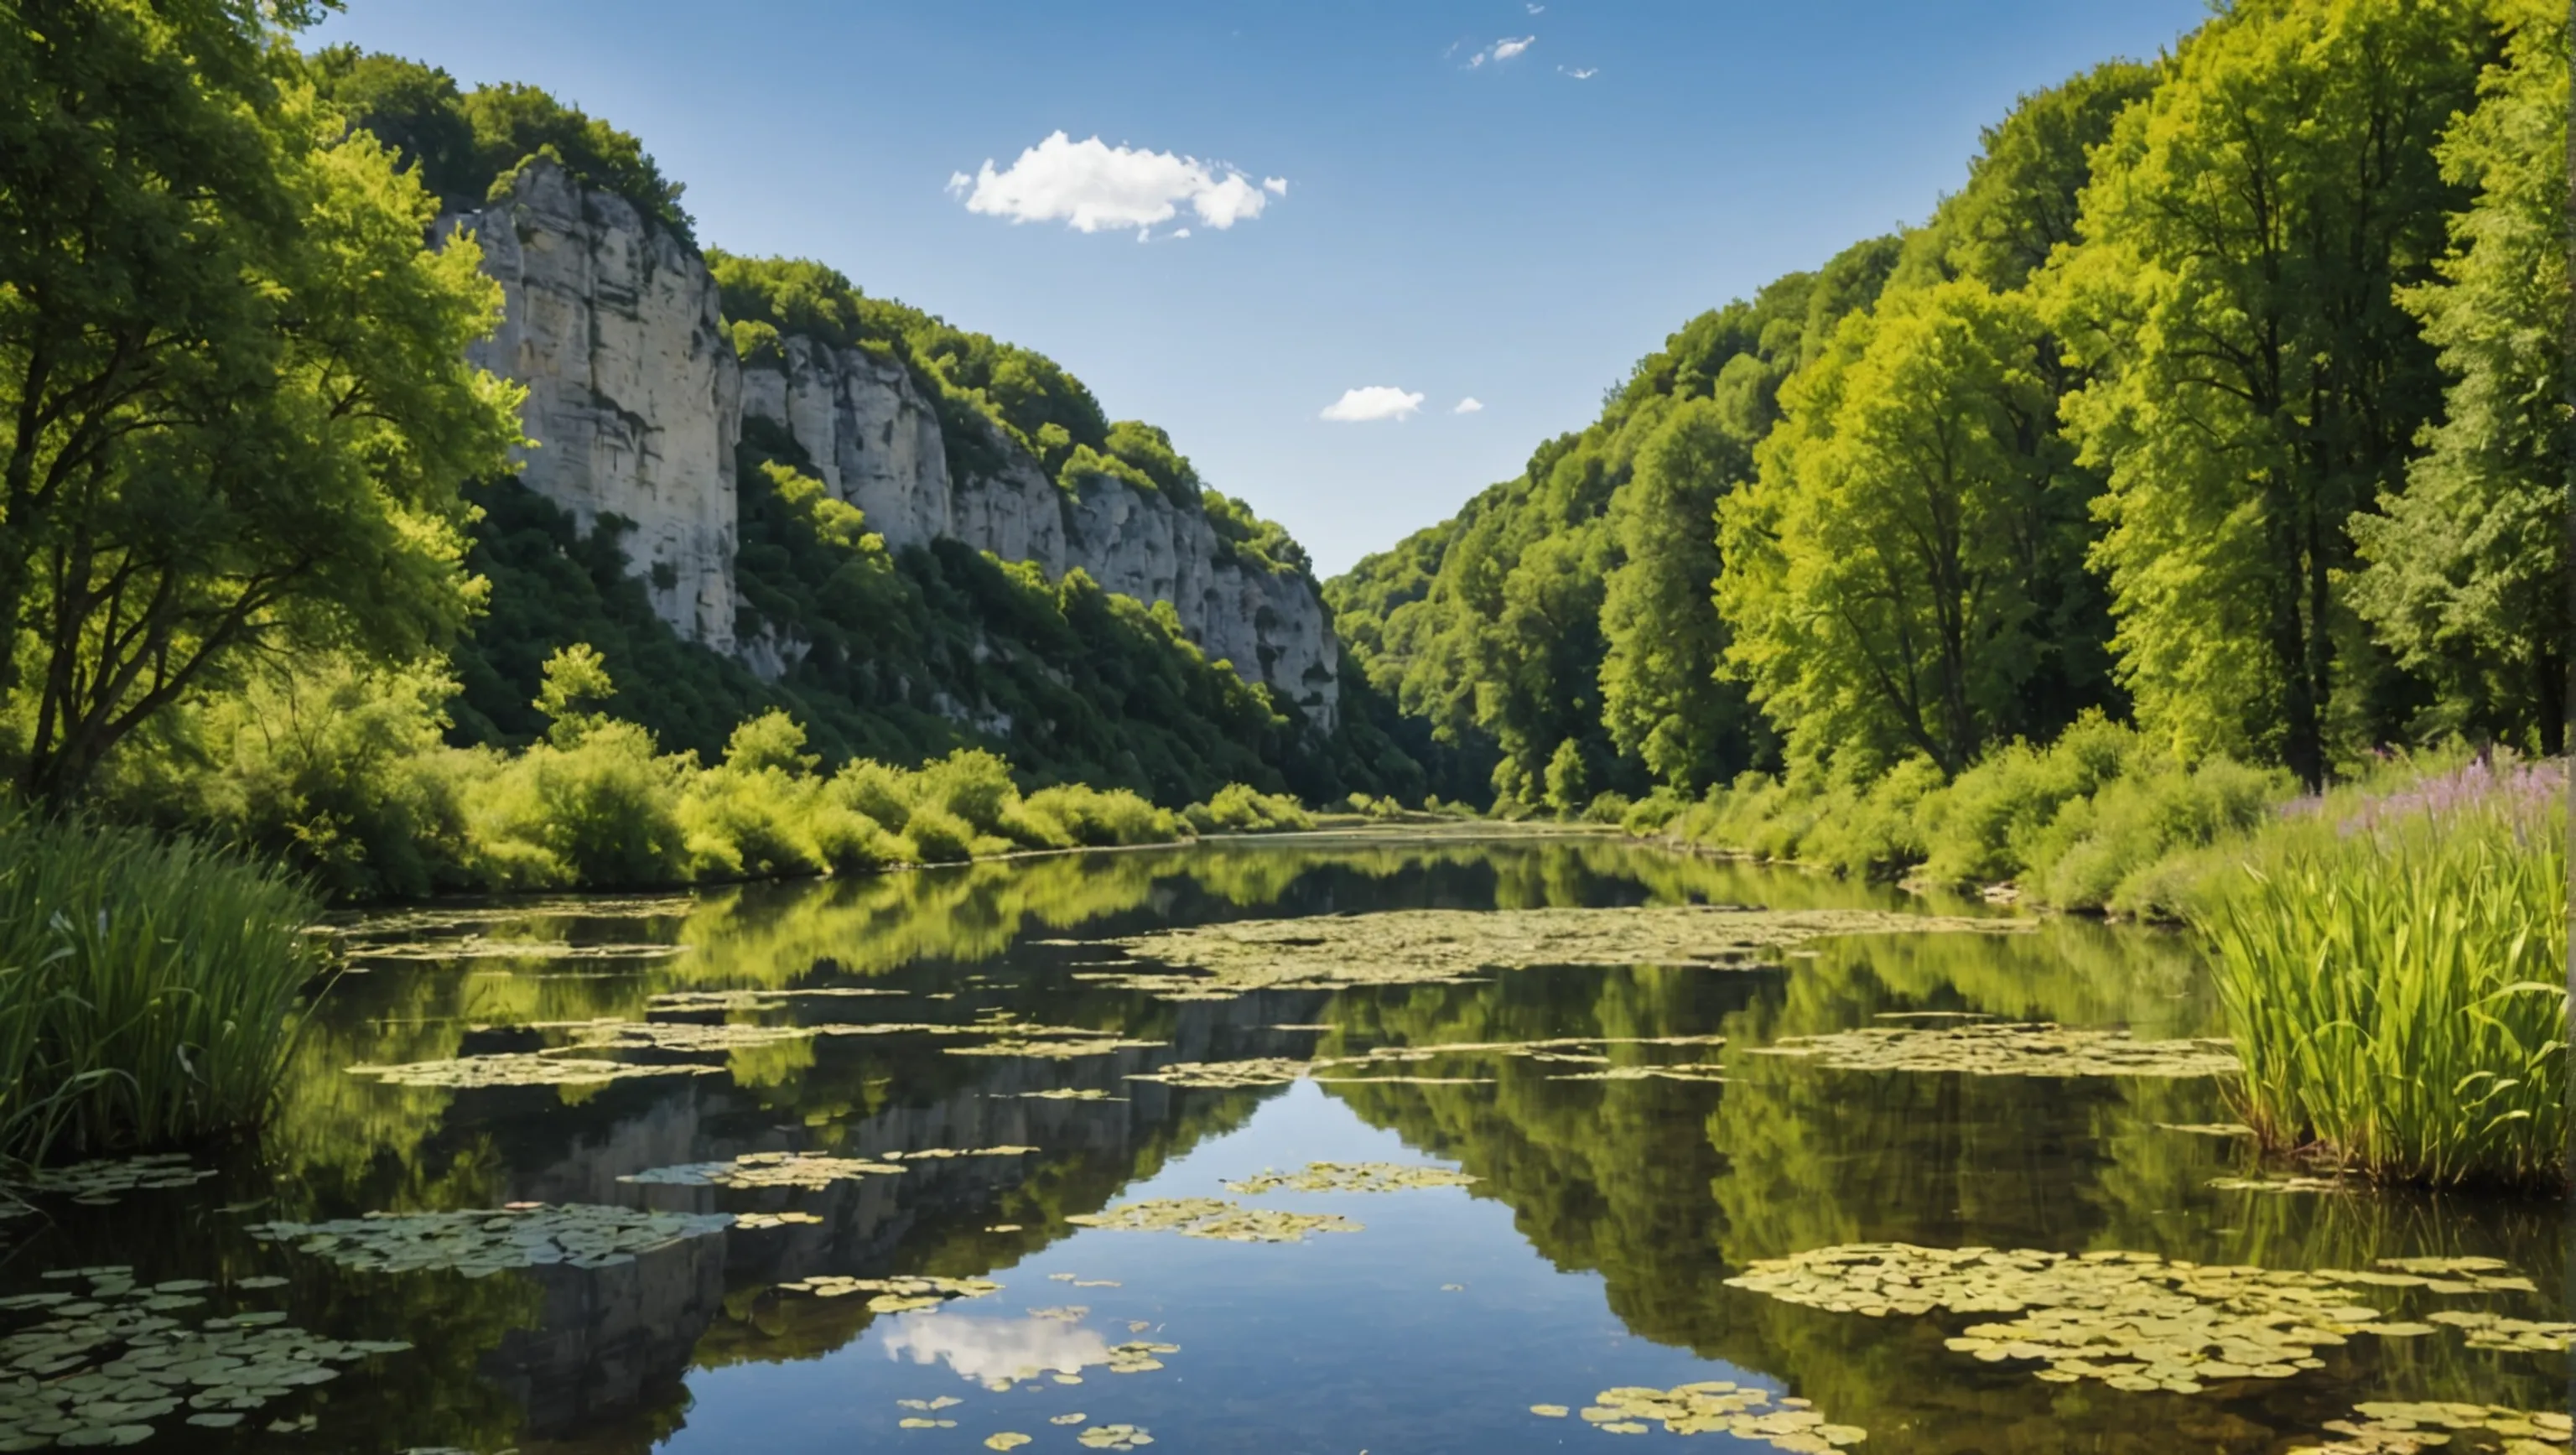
{"x": 149, "y": 988}
{"x": 2395, "y": 976}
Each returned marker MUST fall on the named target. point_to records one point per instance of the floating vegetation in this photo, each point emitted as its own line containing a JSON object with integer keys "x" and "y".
{"x": 897, "y": 1295}
{"x": 419, "y": 922}
{"x": 1414, "y": 947}
{"x": 2130, "y": 1320}
{"x": 479, "y": 1243}
{"x": 2208, "y": 1129}
{"x": 1005, "y": 1440}
{"x": 1700, "y": 1073}
{"x": 2280, "y": 1184}
{"x": 2494, "y": 1331}
{"x": 101, "y": 1367}
{"x": 1351, "y": 1177}
{"x": 97, "y": 1184}
{"x": 1208, "y": 1217}
{"x": 919, "y": 1153}
{"x": 760, "y": 1220}
{"x": 1012, "y": 1037}
{"x": 521, "y": 1068}
{"x": 1714, "y": 1406}
{"x": 475, "y": 947}
{"x": 2391, "y": 1428}
{"x": 1069, "y": 1093}
{"x": 917, "y": 1422}
{"x": 2457, "y": 1275}
{"x": 617, "y": 1035}
{"x": 756, "y": 999}
{"x": 1115, "y": 1437}
{"x": 1404, "y": 1081}
{"x": 809, "y": 1170}
{"x": 2009, "y": 1049}
{"x": 1253, "y": 1071}
{"x": 945, "y": 1401}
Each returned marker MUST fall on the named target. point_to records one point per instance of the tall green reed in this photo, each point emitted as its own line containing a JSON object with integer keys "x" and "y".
{"x": 149, "y": 988}
{"x": 2396, "y": 983}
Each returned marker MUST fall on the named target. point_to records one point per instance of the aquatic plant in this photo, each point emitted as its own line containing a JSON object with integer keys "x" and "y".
{"x": 808, "y": 1170}
{"x": 1209, "y": 1217}
{"x": 482, "y": 1242}
{"x": 148, "y": 987}
{"x": 2389, "y": 1427}
{"x": 2397, "y": 987}
{"x": 1714, "y": 1406}
{"x": 1350, "y": 1177}
{"x": 2006, "y": 1049}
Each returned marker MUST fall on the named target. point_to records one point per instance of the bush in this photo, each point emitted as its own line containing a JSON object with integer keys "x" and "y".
{"x": 2398, "y": 988}
{"x": 148, "y": 986}
{"x": 1105, "y": 819}
{"x": 939, "y": 837}
{"x": 1237, "y": 808}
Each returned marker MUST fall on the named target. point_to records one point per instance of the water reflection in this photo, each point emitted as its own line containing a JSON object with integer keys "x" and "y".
{"x": 1591, "y": 1251}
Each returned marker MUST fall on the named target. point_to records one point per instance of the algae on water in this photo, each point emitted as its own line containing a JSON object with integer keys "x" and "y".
{"x": 1431, "y": 946}
{"x": 2009, "y": 1049}
{"x": 482, "y": 1242}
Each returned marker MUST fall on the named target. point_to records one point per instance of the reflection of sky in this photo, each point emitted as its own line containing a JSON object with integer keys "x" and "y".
{"x": 982, "y": 1349}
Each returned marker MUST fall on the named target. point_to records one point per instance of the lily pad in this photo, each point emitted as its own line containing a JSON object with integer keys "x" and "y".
{"x": 2009, "y": 1049}
{"x": 1351, "y": 1177}
{"x": 520, "y": 1068}
{"x": 1253, "y": 1071}
{"x": 2494, "y": 1331}
{"x": 482, "y": 1242}
{"x": 1415, "y": 947}
{"x": 100, "y": 1183}
{"x": 1115, "y": 1437}
{"x": 1208, "y": 1217}
{"x": 2130, "y": 1320}
{"x": 808, "y": 1170}
{"x": 2388, "y": 1427}
{"x": 1715, "y": 1406}
{"x": 904, "y": 1294}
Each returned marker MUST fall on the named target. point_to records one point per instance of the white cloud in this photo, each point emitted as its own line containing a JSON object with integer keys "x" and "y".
{"x": 1378, "y": 401}
{"x": 982, "y": 1349}
{"x": 1505, "y": 49}
{"x": 1475, "y": 60}
{"x": 1276, "y": 186}
{"x": 1580, "y": 73}
{"x": 1181, "y": 232}
{"x": 1538, "y": 10}
{"x": 1469, "y": 405}
{"x": 1094, "y": 186}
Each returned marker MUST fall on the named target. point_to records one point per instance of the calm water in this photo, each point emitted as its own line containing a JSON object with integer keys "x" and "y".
{"x": 1590, "y": 1252}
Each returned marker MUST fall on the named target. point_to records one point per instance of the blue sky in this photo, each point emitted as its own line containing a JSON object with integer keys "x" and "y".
{"x": 1502, "y": 229}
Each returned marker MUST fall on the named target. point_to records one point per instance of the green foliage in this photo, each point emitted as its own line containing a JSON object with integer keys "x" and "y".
{"x": 576, "y": 682}
{"x": 1240, "y": 809}
{"x": 2467, "y": 575}
{"x": 2102, "y": 818}
{"x": 1888, "y": 569}
{"x": 2244, "y": 240}
{"x": 148, "y": 987}
{"x": 465, "y": 144}
{"x": 2398, "y": 989}
{"x": 234, "y": 376}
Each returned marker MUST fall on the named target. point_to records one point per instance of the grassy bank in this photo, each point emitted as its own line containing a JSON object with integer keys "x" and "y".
{"x": 357, "y": 789}
{"x": 2395, "y": 971}
{"x": 148, "y": 987}
{"x": 2101, "y": 819}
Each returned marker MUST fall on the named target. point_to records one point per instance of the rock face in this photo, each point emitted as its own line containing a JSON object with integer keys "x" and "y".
{"x": 877, "y": 444}
{"x": 634, "y": 395}
{"x": 636, "y": 401}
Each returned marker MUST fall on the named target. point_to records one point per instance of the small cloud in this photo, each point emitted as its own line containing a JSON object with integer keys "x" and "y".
{"x": 1093, "y": 186}
{"x": 1537, "y": 10}
{"x": 1504, "y": 50}
{"x": 1580, "y": 73}
{"x": 1475, "y": 60}
{"x": 1378, "y": 401}
{"x": 1276, "y": 186}
{"x": 1179, "y": 233}
{"x": 1469, "y": 405}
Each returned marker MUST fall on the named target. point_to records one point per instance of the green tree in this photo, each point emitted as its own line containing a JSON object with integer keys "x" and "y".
{"x": 1661, "y": 696}
{"x": 2467, "y": 574}
{"x": 238, "y": 408}
{"x": 1881, "y": 570}
{"x": 2244, "y": 239}
{"x": 577, "y": 686}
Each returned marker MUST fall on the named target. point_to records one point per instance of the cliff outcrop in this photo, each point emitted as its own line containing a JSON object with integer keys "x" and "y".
{"x": 636, "y": 403}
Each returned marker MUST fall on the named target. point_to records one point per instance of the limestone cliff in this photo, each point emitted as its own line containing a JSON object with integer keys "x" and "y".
{"x": 634, "y": 394}
{"x": 636, "y": 402}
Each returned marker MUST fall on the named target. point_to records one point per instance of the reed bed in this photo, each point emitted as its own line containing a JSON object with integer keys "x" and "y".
{"x": 149, "y": 988}
{"x": 2395, "y": 975}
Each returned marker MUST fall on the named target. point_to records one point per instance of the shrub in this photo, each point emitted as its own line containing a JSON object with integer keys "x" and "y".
{"x": 148, "y": 986}
{"x": 1238, "y": 808}
{"x": 2398, "y": 989}
{"x": 937, "y": 836}
{"x": 1104, "y": 819}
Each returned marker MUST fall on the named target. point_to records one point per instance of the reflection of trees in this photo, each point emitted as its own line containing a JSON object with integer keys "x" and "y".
{"x": 1665, "y": 1194}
